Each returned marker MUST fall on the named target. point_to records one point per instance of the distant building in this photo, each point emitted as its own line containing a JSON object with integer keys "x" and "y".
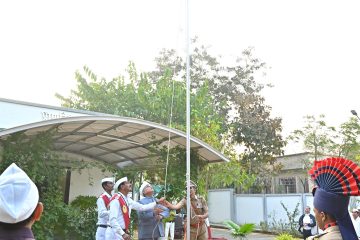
{"x": 293, "y": 177}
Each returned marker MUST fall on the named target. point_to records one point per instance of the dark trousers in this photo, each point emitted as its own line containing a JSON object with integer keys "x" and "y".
{"x": 306, "y": 233}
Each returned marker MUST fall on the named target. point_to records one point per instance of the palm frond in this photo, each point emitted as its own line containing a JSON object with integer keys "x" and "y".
{"x": 239, "y": 230}
{"x": 231, "y": 225}
{"x": 247, "y": 228}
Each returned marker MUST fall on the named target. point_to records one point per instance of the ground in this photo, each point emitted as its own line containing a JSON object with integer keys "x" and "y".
{"x": 218, "y": 233}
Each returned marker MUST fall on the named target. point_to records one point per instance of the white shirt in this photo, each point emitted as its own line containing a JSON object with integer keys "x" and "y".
{"x": 307, "y": 220}
{"x": 356, "y": 223}
{"x": 116, "y": 218}
{"x": 103, "y": 213}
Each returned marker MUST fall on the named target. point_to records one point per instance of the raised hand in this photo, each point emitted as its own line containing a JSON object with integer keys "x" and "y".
{"x": 161, "y": 200}
{"x": 126, "y": 236}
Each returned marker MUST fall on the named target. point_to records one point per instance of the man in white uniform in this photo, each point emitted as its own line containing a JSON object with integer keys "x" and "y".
{"x": 120, "y": 206}
{"x": 102, "y": 203}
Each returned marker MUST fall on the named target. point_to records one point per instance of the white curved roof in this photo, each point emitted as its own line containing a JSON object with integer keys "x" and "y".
{"x": 119, "y": 141}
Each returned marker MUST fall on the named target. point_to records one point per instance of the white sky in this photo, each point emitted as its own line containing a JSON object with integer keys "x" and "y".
{"x": 312, "y": 46}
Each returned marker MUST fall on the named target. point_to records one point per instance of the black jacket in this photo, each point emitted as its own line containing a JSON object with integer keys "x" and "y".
{"x": 301, "y": 225}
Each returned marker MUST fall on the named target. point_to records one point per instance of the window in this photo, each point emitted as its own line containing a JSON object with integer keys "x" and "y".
{"x": 287, "y": 185}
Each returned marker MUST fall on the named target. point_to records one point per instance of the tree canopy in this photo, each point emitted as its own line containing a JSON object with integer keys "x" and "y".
{"x": 323, "y": 140}
{"x": 227, "y": 109}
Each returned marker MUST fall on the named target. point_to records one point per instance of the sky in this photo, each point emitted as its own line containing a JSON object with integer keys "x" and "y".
{"x": 311, "y": 48}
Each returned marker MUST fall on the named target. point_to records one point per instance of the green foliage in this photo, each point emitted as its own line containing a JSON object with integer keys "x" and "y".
{"x": 172, "y": 192}
{"x": 264, "y": 226}
{"x": 231, "y": 174}
{"x": 82, "y": 217}
{"x": 134, "y": 221}
{"x": 35, "y": 156}
{"x": 84, "y": 202}
{"x": 226, "y": 109}
{"x": 292, "y": 217}
{"x": 322, "y": 140}
{"x": 284, "y": 236}
{"x": 176, "y": 171}
{"x": 239, "y": 231}
{"x": 54, "y": 218}
{"x": 316, "y": 135}
{"x": 290, "y": 226}
{"x": 171, "y": 217}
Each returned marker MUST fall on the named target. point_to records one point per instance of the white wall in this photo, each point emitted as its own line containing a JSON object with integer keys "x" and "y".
{"x": 253, "y": 208}
{"x": 274, "y": 208}
{"x": 87, "y": 182}
{"x": 13, "y": 114}
{"x": 249, "y": 209}
{"x": 220, "y": 204}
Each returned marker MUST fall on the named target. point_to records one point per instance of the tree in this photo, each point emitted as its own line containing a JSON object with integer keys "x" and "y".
{"x": 227, "y": 108}
{"x": 34, "y": 156}
{"x": 236, "y": 96}
{"x": 322, "y": 140}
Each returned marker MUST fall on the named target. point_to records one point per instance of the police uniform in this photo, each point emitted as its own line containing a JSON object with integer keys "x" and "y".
{"x": 19, "y": 198}
{"x": 331, "y": 233}
{"x": 198, "y": 229}
{"x": 102, "y": 204}
{"x": 336, "y": 179}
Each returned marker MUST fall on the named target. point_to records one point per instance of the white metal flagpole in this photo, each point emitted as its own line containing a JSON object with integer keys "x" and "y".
{"x": 187, "y": 122}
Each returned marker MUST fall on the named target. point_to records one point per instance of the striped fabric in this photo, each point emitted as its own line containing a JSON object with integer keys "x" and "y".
{"x": 337, "y": 175}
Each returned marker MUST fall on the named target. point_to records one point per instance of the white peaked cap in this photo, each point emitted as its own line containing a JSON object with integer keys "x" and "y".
{"x": 118, "y": 182}
{"x": 108, "y": 179}
{"x": 19, "y": 196}
{"x": 142, "y": 187}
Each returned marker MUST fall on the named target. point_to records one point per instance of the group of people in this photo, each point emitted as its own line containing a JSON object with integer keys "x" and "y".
{"x": 114, "y": 212}
{"x": 336, "y": 179}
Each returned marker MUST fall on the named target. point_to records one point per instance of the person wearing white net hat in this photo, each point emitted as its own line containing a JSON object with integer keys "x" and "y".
{"x": 19, "y": 204}
{"x": 150, "y": 221}
{"x": 103, "y": 203}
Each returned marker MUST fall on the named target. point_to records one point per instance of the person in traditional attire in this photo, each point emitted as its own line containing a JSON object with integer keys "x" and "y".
{"x": 198, "y": 213}
{"x": 103, "y": 203}
{"x": 19, "y": 204}
{"x": 120, "y": 206}
{"x": 336, "y": 179}
{"x": 150, "y": 222}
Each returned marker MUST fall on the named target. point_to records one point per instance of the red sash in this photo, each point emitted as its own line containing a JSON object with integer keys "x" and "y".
{"x": 124, "y": 209}
{"x": 106, "y": 199}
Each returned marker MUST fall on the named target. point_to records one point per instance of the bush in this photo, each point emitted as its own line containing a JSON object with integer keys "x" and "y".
{"x": 239, "y": 231}
{"x": 82, "y": 218}
{"x": 76, "y": 221}
{"x": 288, "y": 226}
{"x": 284, "y": 236}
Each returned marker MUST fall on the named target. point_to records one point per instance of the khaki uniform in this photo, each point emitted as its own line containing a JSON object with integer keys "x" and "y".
{"x": 331, "y": 233}
{"x": 198, "y": 230}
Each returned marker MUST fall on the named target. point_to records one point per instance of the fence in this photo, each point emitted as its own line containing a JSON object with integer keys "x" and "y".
{"x": 257, "y": 208}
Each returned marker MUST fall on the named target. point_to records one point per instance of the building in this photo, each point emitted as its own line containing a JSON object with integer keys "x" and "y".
{"x": 293, "y": 177}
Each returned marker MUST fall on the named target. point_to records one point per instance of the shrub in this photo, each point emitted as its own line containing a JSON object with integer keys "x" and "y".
{"x": 82, "y": 218}
{"x": 284, "y": 236}
{"x": 239, "y": 231}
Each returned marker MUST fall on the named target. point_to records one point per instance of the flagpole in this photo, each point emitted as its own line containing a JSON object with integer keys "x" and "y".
{"x": 187, "y": 122}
